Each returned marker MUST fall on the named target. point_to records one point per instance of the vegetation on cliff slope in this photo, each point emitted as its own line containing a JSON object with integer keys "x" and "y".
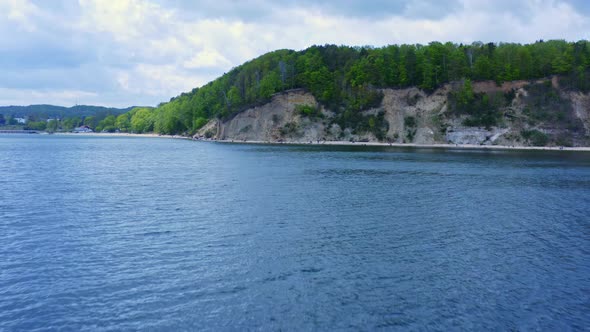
{"x": 346, "y": 79}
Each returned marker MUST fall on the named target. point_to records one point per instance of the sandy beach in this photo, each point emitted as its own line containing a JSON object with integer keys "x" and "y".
{"x": 346, "y": 143}
{"x": 411, "y": 145}
{"x": 124, "y": 135}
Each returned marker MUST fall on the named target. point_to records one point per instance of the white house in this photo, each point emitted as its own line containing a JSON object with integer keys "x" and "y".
{"x": 83, "y": 129}
{"x": 20, "y": 120}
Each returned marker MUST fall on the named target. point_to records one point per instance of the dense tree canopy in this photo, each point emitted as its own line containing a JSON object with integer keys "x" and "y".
{"x": 60, "y": 112}
{"x": 346, "y": 79}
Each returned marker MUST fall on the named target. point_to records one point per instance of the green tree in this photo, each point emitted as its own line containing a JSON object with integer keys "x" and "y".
{"x": 107, "y": 124}
{"x": 52, "y": 126}
{"x": 269, "y": 85}
{"x": 483, "y": 68}
{"x": 346, "y": 79}
{"x": 200, "y": 122}
{"x": 122, "y": 122}
{"x": 234, "y": 97}
{"x": 90, "y": 121}
{"x": 70, "y": 123}
{"x": 142, "y": 120}
{"x": 36, "y": 125}
{"x": 466, "y": 93}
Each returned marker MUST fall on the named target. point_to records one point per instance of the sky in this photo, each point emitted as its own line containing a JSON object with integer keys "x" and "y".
{"x": 142, "y": 52}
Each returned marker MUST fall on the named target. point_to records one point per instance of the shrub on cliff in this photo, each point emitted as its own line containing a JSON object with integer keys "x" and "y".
{"x": 308, "y": 111}
{"x": 535, "y": 137}
{"x": 348, "y": 79}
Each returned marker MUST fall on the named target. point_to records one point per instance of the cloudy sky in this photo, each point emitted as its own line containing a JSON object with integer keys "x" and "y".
{"x": 142, "y": 52}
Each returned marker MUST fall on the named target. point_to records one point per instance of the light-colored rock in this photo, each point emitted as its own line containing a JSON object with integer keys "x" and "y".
{"x": 279, "y": 121}
{"x": 475, "y": 136}
{"x": 274, "y": 121}
{"x": 581, "y": 105}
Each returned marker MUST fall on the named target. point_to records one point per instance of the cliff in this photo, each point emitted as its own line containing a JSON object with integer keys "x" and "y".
{"x": 520, "y": 113}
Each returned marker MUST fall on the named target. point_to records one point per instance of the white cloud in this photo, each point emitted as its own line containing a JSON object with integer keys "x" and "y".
{"x": 20, "y": 12}
{"x": 61, "y": 97}
{"x": 159, "y": 80}
{"x": 150, "y": 52}
{"x": 207, "y": 58}
{"x": 124, "y": 19}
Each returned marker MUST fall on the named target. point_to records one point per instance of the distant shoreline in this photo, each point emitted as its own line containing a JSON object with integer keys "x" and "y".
{"x": 347, "y": 143}
{"x": 123, "y": 135}
{"x": 413, "y": 145}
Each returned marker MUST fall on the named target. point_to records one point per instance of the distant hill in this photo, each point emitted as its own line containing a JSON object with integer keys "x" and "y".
{"x": 51, "y": 111}
{"x": 349, "y": 81}
{"x": 505, "y": 94}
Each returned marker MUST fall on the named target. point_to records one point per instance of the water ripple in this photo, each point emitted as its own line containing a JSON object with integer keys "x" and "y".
{"x": 152, "y": 234}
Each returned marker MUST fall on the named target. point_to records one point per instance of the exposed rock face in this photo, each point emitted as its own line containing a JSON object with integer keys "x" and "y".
{"x": 581, "y": 105}
{"x": 277, "y": 120}
{"x": 431, "y": 121}
{"x": 469, "y": 135}
{"x": 412, "y": 102}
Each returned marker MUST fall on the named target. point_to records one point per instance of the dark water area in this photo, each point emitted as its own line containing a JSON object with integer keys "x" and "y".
{"x": 127, "y": 233}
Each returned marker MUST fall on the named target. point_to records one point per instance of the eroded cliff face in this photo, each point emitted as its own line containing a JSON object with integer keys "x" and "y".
{"x": 414, "y": 116}
{"x": 581, "y": 105}
{"x": 275, "y": 121}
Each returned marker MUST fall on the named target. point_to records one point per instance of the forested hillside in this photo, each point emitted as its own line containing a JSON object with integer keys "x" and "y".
{"x": 344, "y": 79}
{"x": 51, "y": 111}
{"x": 52, "y": 118}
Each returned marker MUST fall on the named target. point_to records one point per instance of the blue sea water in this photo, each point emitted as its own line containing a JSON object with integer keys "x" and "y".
{"x": 127, "y": 233}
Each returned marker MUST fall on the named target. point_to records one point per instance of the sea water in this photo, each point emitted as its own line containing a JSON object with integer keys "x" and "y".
{"x": 127, "y": 233}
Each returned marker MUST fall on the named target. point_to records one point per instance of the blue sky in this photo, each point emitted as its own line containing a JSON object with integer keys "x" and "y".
{"x": 142, "y": 52}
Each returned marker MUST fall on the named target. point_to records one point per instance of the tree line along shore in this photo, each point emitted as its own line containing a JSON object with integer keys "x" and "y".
{"x": 347, "y": 81}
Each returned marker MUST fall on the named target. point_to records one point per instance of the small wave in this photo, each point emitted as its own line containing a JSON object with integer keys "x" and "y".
{"x": 160, "y": 233}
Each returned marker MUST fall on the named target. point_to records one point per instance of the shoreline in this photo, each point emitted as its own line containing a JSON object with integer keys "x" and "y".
{"x": 412, "y": 145}
{"x": 347, "y": 143}
{"x": 123, "y": 135}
